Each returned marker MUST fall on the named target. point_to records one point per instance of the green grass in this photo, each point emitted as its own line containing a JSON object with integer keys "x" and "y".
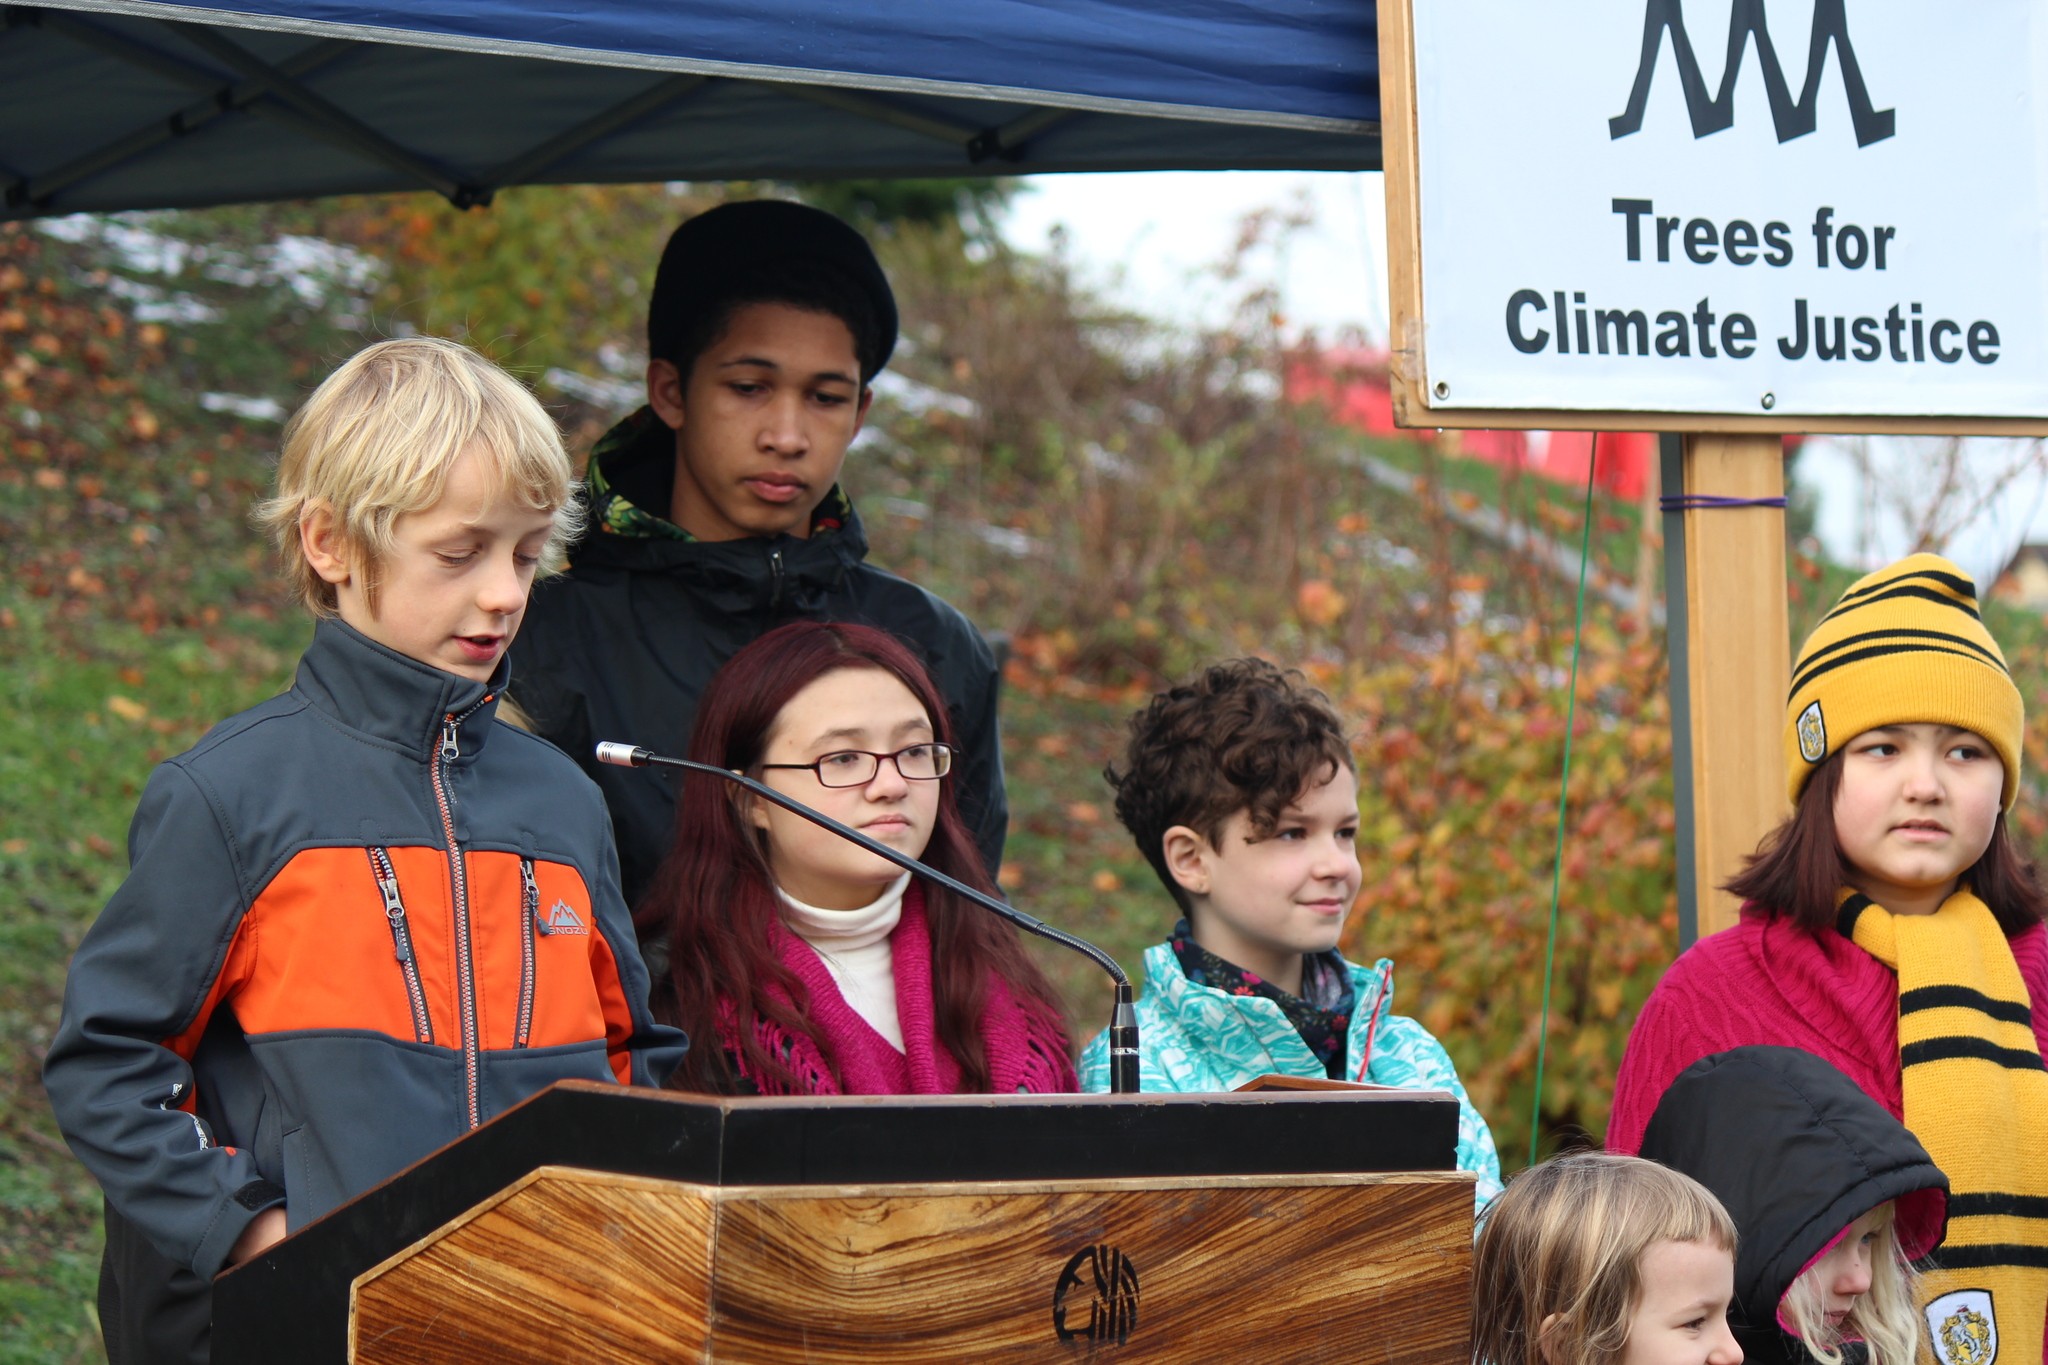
{"x": 79, "y": 732}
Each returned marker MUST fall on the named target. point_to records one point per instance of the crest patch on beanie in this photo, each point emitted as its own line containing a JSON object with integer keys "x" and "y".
{"x": 1813, "y": 734}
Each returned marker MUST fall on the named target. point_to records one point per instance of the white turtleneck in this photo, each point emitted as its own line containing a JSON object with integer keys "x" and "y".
{"x": 854, "y": 946}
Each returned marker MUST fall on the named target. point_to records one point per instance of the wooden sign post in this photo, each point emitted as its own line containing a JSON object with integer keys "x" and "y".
{"x": 1730, "y": 658}
{"x": 1587, "y": 232}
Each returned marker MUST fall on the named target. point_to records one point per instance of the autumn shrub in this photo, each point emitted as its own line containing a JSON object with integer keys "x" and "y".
{"x": 122, "y": 497}
{"x": 549, "y": 277}
{"x": 1138, "y": 487}
{"x": 1460, "y": 753}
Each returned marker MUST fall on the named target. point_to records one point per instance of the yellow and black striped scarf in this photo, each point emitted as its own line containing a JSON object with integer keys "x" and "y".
{"x": 1976, "y": 1095}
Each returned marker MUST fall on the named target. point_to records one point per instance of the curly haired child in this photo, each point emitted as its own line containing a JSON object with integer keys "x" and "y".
{"x": 1239, "y": 789}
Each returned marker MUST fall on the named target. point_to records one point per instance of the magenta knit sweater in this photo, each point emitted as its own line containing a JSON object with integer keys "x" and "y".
{"x": 1026, "y": 1054}
{"x": 1768, "y": 982}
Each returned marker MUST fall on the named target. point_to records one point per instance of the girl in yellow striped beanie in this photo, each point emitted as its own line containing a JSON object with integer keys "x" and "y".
{"x": 1892, "y": 927}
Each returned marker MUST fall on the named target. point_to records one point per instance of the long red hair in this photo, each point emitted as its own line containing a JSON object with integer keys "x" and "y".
{"x": 715, "y": 898}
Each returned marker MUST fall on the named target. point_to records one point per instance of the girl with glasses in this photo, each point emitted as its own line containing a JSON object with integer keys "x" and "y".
{"x": 802, "y": 964}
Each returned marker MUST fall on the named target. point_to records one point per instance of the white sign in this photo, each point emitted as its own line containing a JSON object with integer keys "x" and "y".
{"x": 1676, "y": 206}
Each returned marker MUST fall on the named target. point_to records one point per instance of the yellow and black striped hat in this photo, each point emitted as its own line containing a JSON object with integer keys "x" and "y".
{"x": 1904, "y": 645}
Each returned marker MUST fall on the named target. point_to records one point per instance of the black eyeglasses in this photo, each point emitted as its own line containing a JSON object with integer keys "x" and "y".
{"x": 857, "y": 767}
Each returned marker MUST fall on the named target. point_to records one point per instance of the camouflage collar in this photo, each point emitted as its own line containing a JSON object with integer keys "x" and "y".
{"x": 612, "y": 513}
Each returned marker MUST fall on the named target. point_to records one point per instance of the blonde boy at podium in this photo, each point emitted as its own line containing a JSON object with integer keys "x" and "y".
{"x": 1239, "y": 789}
{"x": 363, "y": 917}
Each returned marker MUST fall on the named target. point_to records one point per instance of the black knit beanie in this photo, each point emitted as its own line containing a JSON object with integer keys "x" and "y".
{"x": 751, "y": 251}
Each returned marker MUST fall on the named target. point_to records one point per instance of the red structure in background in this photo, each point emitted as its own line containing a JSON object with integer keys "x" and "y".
{"x": 1350, "y": 383}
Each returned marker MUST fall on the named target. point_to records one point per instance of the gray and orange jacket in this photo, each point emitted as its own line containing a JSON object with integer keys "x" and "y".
{"x": 360, "y": 920}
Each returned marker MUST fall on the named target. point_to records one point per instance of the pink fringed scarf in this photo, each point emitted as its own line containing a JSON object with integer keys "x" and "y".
{"x": 1023, "y": 1055}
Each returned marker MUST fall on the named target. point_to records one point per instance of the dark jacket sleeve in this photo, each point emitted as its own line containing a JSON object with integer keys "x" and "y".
{"x": 146, "y": 975}
{"x": 643, "y": 1052}
{"x": 565, "y": 679}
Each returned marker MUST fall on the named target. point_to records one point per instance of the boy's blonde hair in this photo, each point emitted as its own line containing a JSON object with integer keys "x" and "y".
{"x": 1885, "y": 1316}
{"x": 378, "y": 437}
{"x": 1566, "y": 1239}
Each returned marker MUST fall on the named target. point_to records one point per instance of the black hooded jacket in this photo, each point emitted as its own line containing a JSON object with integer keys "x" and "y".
{"x": 1796, "y": 1152}
{"x": 621, "y": 645}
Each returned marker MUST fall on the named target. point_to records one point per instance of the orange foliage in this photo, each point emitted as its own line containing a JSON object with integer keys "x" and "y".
{"x": 1458, "y": 789}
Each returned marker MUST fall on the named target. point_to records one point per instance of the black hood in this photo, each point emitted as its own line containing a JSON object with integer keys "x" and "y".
{"x": 1796, "y": 1153}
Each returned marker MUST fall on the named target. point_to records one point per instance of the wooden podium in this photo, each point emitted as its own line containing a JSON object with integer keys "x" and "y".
{"x": 594, "y": 1223}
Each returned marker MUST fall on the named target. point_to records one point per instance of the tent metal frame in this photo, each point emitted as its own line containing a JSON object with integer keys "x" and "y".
{"x": 278, "y": 91}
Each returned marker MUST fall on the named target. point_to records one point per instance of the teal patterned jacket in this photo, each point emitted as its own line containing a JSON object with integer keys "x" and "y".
{"x": 1196, "y": 1038}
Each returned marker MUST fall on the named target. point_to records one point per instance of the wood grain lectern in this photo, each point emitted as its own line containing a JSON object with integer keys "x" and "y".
{"x": 594, "y": 1223}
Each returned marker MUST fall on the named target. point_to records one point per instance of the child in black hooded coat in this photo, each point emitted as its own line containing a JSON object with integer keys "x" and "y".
{"x": 1832, "y": 1196}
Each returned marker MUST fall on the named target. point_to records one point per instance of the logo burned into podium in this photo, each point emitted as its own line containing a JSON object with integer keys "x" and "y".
{"x": 1111, "y": 1288}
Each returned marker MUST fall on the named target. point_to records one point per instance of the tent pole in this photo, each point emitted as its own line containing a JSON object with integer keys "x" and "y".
{"x": 1678, "y": 682}
{"x": 219, "y": 100}
{"x": 340, "y": 126}
{"x": 1009, "y": 140}
{"x": 1730, "y": 659}
{"x": 862, "y": 105}
{"x": 656, "y": 97}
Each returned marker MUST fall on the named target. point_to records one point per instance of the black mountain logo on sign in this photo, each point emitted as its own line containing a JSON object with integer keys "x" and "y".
{"x": 1791, "y": 118}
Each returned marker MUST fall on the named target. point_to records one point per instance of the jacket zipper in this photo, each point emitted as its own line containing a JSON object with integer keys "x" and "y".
{"x": 401, "y": 943}
{"x": 775, "y": 578}
{"x": 529, "y": 925}
{"x": 1372, "y": 1022}
{"x": 465, "y": 966}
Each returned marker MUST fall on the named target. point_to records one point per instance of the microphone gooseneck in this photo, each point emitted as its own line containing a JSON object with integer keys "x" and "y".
{"x": 1123, "y": 1022}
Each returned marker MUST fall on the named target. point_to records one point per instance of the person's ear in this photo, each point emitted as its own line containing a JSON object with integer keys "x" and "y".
{"x": 325, "y": 545}
{"x": 1187, "y": 855}
{"x": 860, "y": 413}
{"x": 665, "y": 392}
{"x": 753, "y": 810}
{"x": 1546, "y": 1343}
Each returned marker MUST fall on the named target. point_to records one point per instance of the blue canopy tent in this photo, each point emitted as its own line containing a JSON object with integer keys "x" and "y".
{"x": 120, "y": 104}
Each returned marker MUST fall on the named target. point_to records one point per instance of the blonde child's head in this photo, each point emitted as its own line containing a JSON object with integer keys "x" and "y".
{"x": 377, "y": 440}
{"x": 1863, "y": 1280}
{"x": 1900, "y": 704}
{"x": 1558, "y": 1272}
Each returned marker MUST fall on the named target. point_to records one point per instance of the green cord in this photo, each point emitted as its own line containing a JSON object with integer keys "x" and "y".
{"x": 1564, "y": 788}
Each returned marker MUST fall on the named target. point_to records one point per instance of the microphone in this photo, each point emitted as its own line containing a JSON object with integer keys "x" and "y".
{"x": 1123, "y": 1019}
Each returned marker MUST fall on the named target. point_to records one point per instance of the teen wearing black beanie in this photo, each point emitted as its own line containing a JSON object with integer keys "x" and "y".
{"x": 717, "y": 514}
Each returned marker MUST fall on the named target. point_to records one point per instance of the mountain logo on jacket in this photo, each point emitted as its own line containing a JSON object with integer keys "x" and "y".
{"x": 1813, "y": 734}
{"x": 562, "y": 920}
{"x": 1964, "y": 1327}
